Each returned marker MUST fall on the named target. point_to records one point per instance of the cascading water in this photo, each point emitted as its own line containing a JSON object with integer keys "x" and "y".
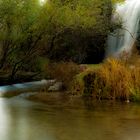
{"x": 122, "y": 40}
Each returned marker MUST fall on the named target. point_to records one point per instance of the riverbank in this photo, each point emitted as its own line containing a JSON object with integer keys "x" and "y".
{"x": 66, "y": 99}
{"x": 53, "y": 97}
{"x": 112, "y": 80}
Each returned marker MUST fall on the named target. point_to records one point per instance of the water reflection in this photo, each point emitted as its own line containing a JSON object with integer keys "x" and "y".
{"x": 24, "y": 120}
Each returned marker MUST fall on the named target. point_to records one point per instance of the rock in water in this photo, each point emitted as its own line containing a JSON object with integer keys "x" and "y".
{"x": 56, "y": 87}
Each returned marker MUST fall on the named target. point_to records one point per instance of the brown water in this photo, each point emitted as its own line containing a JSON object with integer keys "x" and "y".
{"x": 24, "y": 120}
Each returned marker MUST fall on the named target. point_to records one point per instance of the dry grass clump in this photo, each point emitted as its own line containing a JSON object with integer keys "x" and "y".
{"x": 113, "y": 80}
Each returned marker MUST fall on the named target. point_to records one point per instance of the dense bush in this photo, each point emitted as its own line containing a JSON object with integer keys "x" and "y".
{"x": 62, "y": 71}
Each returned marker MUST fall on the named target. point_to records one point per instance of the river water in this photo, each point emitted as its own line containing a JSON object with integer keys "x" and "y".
{"x": 21, "y": 119}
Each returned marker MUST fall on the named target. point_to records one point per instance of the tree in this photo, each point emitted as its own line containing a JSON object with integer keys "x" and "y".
{"x": 60, "y": 30}
{"x": 72, "y": 25}
{"x": 19, "y": 33}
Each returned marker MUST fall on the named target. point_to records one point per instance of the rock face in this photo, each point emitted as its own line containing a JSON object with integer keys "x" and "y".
{"x": 138, "y": 40}
{"x": 56, "y": 87}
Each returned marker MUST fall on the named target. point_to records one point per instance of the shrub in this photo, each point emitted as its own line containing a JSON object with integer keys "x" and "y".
{"x": 63, "y": 71}
{"x": 78, "y": 86}
{"x": 113, "y": 80}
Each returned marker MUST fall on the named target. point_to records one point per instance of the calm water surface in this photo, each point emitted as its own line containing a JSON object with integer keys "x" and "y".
{"x": 25, "y": 120}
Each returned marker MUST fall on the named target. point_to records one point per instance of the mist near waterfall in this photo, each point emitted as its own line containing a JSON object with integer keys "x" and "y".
{"x": 122, "y": 40}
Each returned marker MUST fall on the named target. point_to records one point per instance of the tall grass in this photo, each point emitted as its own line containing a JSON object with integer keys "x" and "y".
{"x": 115, "y": 79}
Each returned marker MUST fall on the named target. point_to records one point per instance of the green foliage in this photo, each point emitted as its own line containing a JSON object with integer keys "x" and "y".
{"x": 85, "y": 14}
{"x": 75, "y": 27}
{"x": 59, "y": 29}
{"x": 117, "y": 1}
{"x": 18, "y": 35}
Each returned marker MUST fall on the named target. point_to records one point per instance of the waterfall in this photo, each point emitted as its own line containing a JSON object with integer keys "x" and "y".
{"x": 122, "y": 40}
